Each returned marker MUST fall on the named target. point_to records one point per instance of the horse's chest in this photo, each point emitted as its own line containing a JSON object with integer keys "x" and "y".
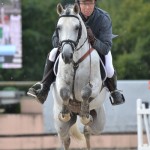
{"x": 82, "y": 75}
{"x": 77, "y": 75}
{"x": 66, "y": 73}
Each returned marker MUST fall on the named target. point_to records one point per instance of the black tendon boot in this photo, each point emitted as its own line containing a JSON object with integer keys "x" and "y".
{"x": 40, "y": 89}
{"x": 116, "y": 97}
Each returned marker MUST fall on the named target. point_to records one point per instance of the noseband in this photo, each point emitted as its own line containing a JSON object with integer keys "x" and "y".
{"x": 68, "y": 41}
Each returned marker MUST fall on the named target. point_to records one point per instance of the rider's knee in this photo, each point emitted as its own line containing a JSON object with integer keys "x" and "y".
{"x": 52, "y": 54}
{"x": 110, "y": 71}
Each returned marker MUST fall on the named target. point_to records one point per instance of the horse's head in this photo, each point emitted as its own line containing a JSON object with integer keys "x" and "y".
{"x": 69, "y": 30}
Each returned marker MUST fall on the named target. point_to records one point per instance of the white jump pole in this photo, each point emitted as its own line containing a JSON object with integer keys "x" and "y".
{"x": 143, "y": 114}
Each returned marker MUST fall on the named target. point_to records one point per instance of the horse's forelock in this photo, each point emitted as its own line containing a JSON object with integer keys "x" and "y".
{"x": 68, "y": 10}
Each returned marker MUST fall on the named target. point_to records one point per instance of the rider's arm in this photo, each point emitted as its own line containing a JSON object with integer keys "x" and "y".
{"x": 55, "y": 40}
{"x": 103, "y": 42}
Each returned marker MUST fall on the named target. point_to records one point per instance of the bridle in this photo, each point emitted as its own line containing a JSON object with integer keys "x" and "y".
{"x": 69, "y": 41}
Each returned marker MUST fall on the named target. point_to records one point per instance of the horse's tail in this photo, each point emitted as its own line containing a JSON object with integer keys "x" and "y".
{"x": 75, "y": 133}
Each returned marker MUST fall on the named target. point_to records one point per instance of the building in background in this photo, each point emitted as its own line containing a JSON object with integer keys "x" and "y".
{"x": 10, "y": 35}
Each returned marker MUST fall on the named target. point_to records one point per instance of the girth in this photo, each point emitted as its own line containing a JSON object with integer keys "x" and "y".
{"x": 74, "y": 106}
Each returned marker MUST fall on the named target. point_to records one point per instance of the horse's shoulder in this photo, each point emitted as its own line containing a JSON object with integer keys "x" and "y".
{"x": 95, "y": 55}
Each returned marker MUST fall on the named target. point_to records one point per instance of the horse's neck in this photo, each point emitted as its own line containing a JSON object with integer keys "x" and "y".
{"x": 78, "y": 54}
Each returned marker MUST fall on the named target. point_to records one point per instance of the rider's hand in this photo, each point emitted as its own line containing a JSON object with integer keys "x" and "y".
{"x": 91, "y": 36}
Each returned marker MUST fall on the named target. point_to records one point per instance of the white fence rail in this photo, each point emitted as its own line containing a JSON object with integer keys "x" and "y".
{"x": 143, "y": 125}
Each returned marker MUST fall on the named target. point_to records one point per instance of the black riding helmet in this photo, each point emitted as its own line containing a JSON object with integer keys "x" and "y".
{"x": 67, "y": 2}
{"x": 77, "y": 1}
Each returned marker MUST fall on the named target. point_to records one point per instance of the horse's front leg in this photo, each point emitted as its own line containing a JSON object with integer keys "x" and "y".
{"x": 86, "y": 118}
{"x": 65, "y": 113}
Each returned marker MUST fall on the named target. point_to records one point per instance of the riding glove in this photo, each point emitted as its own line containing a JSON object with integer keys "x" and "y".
{"x": 91, "y": 36}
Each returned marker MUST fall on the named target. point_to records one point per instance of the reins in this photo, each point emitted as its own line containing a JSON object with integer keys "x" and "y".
{"x": 83, "y": 57}
{"x": 81, "y": 45}
{"x": 76, "y": 65}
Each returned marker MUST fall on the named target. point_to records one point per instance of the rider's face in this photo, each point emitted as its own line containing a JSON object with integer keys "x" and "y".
{"x": 87, "y": 7}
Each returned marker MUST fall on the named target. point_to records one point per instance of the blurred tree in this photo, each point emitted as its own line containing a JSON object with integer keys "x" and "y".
{"x": 39, "y": 19}
{"x": 131, "y": 49}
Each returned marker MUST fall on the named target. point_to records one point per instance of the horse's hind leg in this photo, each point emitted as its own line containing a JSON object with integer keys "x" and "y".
{"x": 96, "y": 126}
{"x": 87, "y": 136}
{"x": 63, "y": 129}
{"x": 66, "y": 143}
{"x": 99, "y": 120}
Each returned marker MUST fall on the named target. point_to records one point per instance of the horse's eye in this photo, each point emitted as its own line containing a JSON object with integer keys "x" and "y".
{"x": 77, "y": 28}
{"x": 58, "y": 28}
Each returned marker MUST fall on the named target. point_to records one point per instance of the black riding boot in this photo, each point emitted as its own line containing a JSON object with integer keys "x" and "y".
{"x": 40, "y": 89}
{"x": 116, "y": 97}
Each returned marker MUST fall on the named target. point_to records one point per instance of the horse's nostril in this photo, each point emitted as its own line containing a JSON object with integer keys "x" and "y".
{"x": 67, "y": 57}
{"x": 62, "y": 56}
{"x": 71, "y": 56}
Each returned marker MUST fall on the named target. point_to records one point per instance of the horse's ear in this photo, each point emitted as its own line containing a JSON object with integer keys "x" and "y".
{"x": 76, "y": 8}
{"x": 60, "y": 9}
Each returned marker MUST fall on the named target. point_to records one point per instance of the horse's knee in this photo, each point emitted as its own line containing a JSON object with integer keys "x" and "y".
{"x": 86, "y": 92}
{"x": 65, "y": 93}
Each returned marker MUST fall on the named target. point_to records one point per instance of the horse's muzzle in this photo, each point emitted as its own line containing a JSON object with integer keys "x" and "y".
{"x": 67, "y": 57}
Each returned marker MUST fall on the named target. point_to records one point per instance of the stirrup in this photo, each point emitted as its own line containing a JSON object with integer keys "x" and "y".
{"x": 116, "y": 91}
{"x": 31, "y": 93}
{"x": 117, "y": 102}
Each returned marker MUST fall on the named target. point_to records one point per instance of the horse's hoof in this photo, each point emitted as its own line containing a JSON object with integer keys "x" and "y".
{"x": 64, "y": 117}
{"x": 86, "y": 120}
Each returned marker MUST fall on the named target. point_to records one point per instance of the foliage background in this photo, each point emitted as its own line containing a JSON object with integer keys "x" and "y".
{"x": 131, "y": 50}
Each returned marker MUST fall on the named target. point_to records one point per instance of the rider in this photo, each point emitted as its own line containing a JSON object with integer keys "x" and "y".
{"x": 99, "y": 32}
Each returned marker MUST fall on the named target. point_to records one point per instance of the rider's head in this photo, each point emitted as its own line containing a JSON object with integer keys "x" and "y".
{"x": 86, "y": 6}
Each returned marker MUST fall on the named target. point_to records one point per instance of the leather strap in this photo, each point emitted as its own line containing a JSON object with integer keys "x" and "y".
{"x": 84, "y": 56}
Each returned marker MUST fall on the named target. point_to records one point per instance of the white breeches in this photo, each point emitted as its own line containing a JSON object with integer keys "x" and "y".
{"x": 109, "y": 65}
{"x": 52, "y": 54}
{"x": 108, "y": 61}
